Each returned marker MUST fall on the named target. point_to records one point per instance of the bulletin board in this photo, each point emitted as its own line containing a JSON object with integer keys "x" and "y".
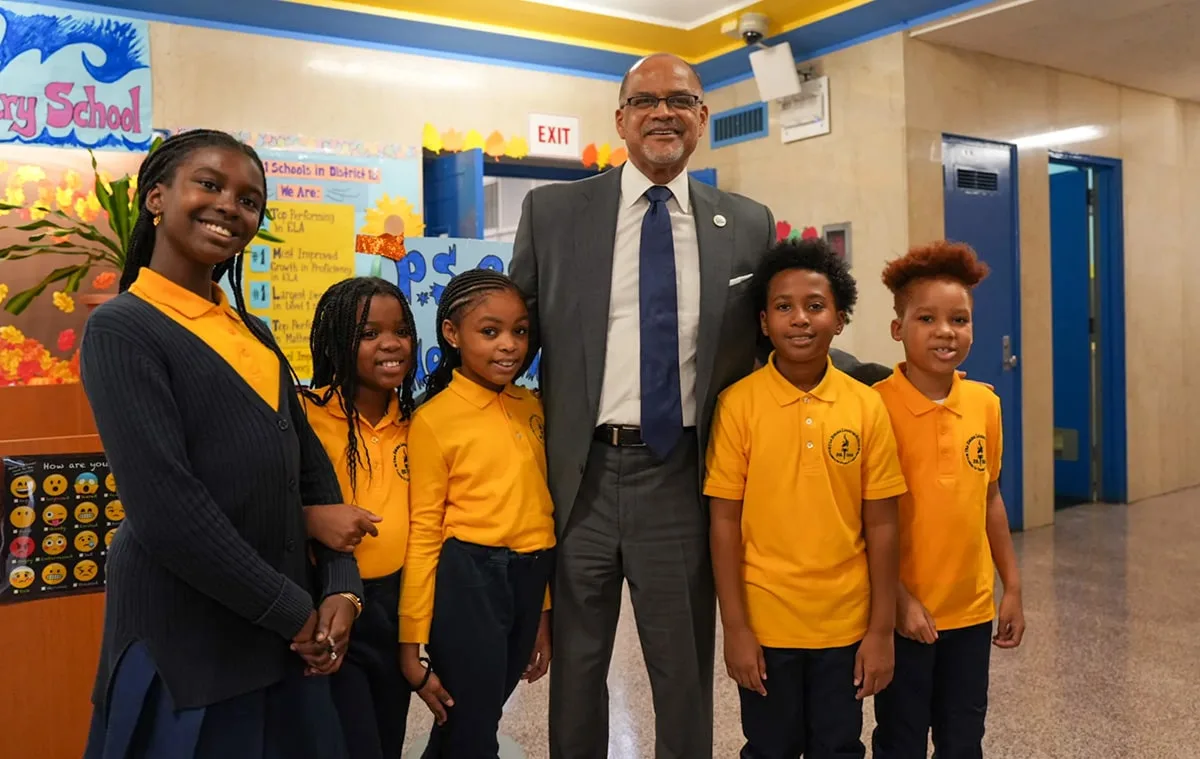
{"x": 320, "y": 204}
{"x": 60, "y": 515}
{"x": 425, "y": 271}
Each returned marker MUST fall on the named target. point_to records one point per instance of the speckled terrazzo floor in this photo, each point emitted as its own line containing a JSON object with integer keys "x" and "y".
{"x": 1110, "y": 667}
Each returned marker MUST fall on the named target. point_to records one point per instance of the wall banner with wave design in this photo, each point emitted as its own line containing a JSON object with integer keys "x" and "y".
{"x": 73, "y": 79}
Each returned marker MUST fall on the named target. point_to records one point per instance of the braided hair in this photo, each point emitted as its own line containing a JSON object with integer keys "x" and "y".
{"x": 337, "y": 330}
{"x": 461, "y": 295}
{"x": 159, "y": 168}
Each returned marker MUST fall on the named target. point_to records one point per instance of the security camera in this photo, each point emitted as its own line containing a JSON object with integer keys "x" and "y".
{"x": 753, "y": 28}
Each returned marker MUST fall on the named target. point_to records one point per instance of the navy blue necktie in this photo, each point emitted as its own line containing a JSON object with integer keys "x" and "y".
{"x": 662, "y": 410}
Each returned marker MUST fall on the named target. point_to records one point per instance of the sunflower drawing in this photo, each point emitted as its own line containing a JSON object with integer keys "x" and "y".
{"x": 393, "y": 216}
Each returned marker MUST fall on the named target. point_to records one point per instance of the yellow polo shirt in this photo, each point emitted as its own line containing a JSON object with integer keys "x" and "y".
{"x": 478, "y": 465}
{"x": 219, "y": 326}
{"x": 950, "y": 452}
{"x": 381, "y": 488}
{"x": 802, "y": 464}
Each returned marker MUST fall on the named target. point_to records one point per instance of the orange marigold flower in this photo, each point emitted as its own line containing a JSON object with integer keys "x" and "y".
{"x": 104, "y": 280}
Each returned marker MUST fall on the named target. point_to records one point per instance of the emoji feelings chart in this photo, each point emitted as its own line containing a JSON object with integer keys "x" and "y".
{"x": 59, "y": 518}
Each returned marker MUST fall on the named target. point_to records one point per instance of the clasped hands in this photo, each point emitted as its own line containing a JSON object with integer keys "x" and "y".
{"x": 323, "y": 640}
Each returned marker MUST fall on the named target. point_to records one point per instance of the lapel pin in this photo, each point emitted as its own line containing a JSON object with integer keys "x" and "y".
{"x": 719, "y": 220}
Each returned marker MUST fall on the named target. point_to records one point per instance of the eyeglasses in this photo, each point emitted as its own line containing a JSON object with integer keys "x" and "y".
{"x": 674, "y": 102}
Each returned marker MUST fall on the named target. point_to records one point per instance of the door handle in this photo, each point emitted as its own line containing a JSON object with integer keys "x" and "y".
{"x": 1010, "y": 359}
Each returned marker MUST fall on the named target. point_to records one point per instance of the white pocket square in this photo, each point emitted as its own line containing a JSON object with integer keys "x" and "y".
{"x": 739, "y": 280}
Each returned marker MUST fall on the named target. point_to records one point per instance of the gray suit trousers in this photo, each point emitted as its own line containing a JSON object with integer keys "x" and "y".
{"x": 639, "y": 520}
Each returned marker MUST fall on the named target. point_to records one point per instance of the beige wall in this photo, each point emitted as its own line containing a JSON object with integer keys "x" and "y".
{"x": 857, "y": 173}
{"x": 1158, "y": 140}
{"x": 243, "y": 82}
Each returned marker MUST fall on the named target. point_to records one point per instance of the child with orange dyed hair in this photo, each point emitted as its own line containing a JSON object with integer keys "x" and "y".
{"x": 954, "y": 531}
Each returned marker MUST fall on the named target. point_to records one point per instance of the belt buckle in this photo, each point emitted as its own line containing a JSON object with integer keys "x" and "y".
{"x": 616, "y": 436}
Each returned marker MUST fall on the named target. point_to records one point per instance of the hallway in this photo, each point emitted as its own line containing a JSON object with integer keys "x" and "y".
{"x": 1109, "y": 668}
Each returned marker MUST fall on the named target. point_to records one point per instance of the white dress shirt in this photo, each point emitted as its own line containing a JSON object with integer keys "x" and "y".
{"x": 620, "y": 395}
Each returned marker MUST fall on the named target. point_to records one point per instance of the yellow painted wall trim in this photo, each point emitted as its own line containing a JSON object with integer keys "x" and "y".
{"x": 531, "y": 20}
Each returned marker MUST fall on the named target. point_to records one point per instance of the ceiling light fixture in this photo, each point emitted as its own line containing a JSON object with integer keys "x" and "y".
{"x": 1060, "y": 137}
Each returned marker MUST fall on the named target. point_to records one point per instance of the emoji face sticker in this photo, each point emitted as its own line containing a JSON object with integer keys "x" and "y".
{"x": 54, "y": 514}
{"x": 114, "y": 511}
{"x": 110, "y": 483}
{"x": 55, "y": 485}
{"x": 86, "y": 541}
{"x": 22, "y": 517}
{"x": 86, "y": 570}
{"x": 53, "y": 574}
{"x": 87, "y": 484}
{"x": 21, "y": 577}
{"x": 22, "y": 547}
{"x": 54, "y": 543}
{"x": 108, "y": 537}
{"x": 86, "y": 512}
{"x": 23, "y": 486}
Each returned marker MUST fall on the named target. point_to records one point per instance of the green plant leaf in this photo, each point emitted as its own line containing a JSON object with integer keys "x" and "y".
{"x": 83, "y": 229}
{"x": 118, "y": 217}
{"x": 19, "y": 302}
{"x": 74, "y": 280}
{"x": 92, "y": 254}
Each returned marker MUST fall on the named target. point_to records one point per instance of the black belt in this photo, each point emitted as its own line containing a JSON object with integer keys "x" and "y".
{"x": 619, "y": 436}
{"x": 622, "y": 436}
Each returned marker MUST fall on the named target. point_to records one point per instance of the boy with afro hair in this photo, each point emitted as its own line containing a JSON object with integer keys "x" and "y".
{"x": 953, "y": 528}
{"x": 803, "y": 475}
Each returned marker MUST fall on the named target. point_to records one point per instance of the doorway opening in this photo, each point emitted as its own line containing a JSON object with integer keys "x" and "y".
{"x": 1087, "y": 289}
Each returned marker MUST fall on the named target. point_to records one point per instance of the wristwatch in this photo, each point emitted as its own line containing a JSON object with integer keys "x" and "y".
{"x": 358, "y": 607}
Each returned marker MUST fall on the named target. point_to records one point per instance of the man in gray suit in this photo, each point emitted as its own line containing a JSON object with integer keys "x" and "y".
{"x": 638, "y": 284}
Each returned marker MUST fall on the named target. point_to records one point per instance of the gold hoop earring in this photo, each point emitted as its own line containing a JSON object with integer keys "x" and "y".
{"x": 157, "y": 219}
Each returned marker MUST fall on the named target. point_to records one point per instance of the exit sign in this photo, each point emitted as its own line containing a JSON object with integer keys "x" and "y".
{"x": 553, "y": 136}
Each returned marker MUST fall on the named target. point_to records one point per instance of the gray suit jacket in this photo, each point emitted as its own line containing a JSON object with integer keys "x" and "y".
{"x": 562, "y": 259}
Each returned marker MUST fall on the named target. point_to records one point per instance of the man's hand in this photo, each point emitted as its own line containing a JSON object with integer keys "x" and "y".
{"x": 340, "y": 526}
{"x": 539, "y": 662}
{"x": 875, "y": 664}
{"x": 744, "y": 660}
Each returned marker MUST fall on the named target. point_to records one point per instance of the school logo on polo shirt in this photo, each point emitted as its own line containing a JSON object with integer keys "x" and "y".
{"x": 844, "y": 446}
{"x": 976, "y": 454}
{"x": 538, "y": 427}
{"x": 400, "y": 460}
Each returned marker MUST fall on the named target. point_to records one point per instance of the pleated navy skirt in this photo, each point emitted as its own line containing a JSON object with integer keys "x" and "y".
{"x": 293, "y": 719}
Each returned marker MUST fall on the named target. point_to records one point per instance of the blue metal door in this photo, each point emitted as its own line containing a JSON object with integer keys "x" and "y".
{"x": 981, "y": 210}
{"x": 454, "y": 195}
{"x": 1071, "y": 304}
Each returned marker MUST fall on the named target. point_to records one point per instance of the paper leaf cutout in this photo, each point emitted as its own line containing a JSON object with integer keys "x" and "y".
{"x": 618, "y": 157}
{"x": 474, "y": 140}
{"x": 495, "y": 145}
{"x": 602, "y": 155}
{"x": 430, "y": 139}
{"x": 590, "y": 155}
{"x": 452, "y": 141}
{"x": 517, "y": 148}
